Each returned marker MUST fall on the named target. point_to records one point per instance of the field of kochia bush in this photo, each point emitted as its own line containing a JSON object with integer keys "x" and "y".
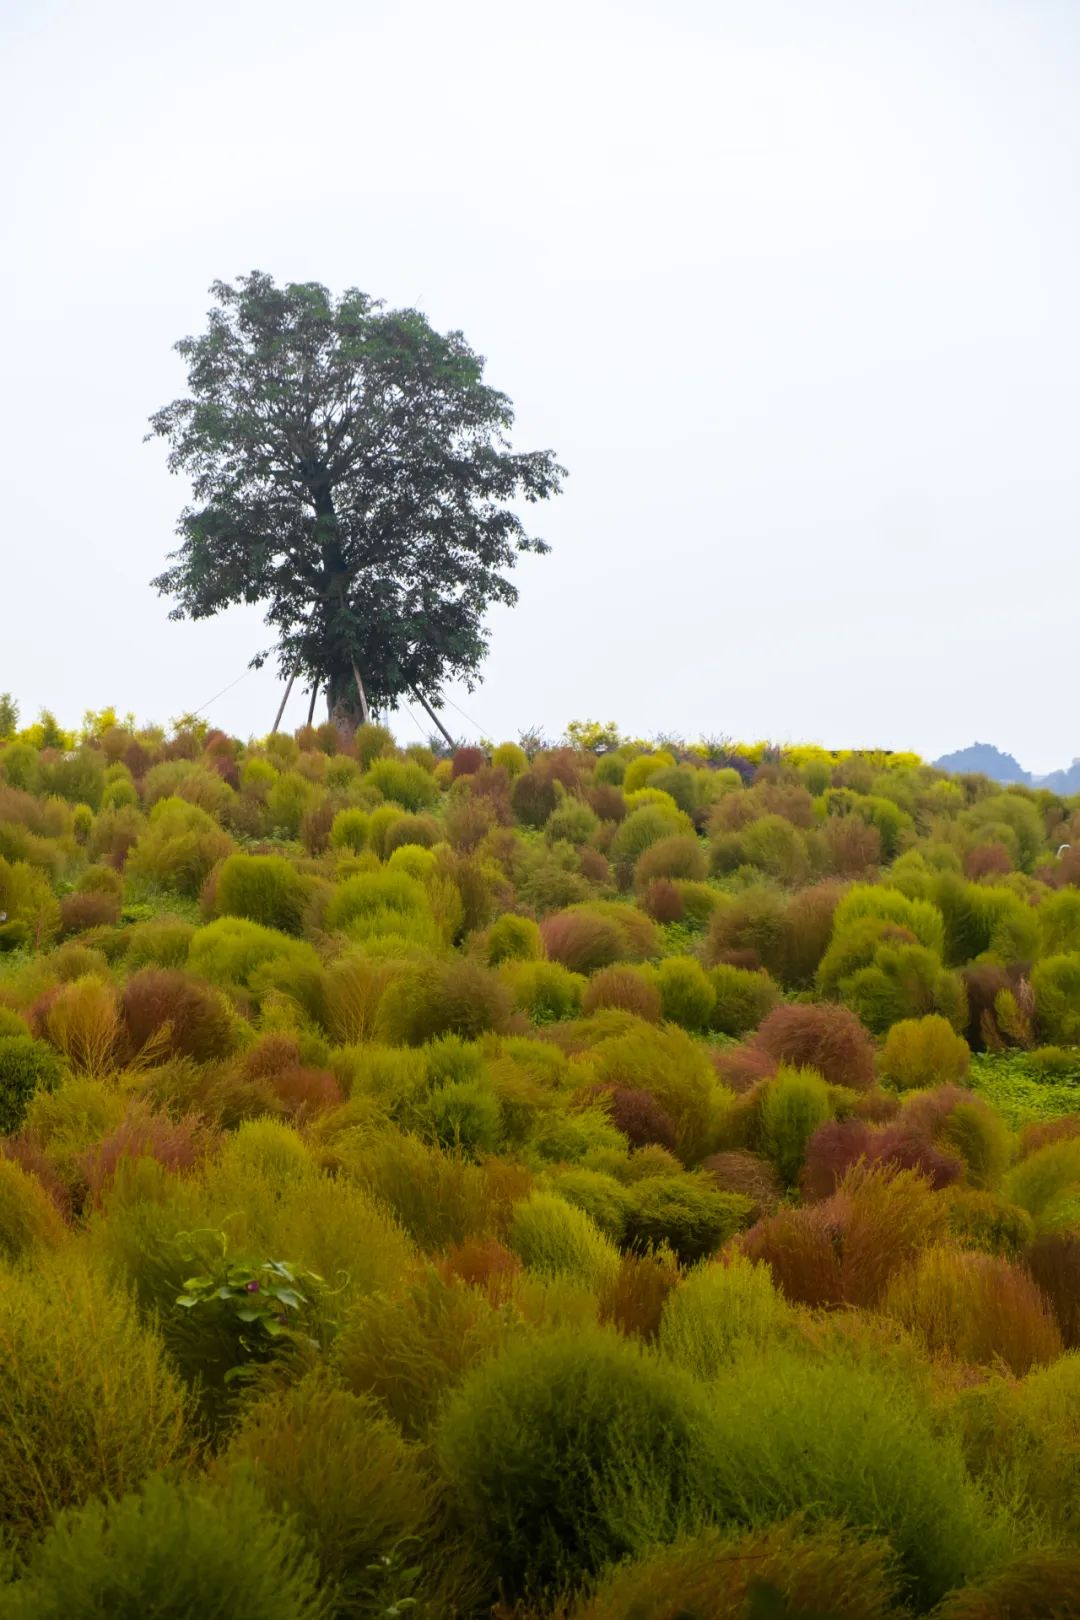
{"x": 558, "y": 1185}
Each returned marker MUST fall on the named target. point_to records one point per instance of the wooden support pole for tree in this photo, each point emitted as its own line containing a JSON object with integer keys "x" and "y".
{"x": 364, "y": 712}
{"x": 430, "y": 712}
{"x": 311, "y": 705}
{"x": 285, "y": 699}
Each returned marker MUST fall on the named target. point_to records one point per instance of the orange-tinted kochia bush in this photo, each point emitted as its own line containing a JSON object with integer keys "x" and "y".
{"x": 826, "y": 1037}
{"x": 580, "y": 940}
{"x": 81, "y": 911}
{"x": 626, "y": 987}
{"x": 176, "y": 1015}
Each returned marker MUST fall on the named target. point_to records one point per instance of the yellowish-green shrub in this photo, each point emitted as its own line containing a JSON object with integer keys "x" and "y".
{"x": 411, "y": 1347}
{"x": 264, "y": 888}
{"x": 334, "y": 1463}
{"x": 553, "y": 1238}
{"x": 922, "y": 1052}
{"x": 29, "y": 1220}
{"x": 179, "y": 847}
{"x": 26, "y": 1067}
{"x": 88, "y": 1402}
{"x": 794, "y": 1104}
{"x": 721, "y": 1311}
{"x": 171, "y": 1549}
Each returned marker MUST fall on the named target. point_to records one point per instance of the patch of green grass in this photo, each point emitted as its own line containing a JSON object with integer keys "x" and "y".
{"x": 1019, "y": 1091}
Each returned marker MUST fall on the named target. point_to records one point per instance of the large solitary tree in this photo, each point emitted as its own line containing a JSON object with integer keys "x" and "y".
{"x": 352, "y": 473}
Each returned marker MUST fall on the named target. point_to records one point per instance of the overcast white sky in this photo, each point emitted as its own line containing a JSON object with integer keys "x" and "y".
{"x": 793, "y": 289}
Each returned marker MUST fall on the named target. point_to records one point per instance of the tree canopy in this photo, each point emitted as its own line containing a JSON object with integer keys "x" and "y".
{"x": 352, "y": 472}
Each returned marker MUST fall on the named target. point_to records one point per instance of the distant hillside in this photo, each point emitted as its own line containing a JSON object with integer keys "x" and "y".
{"x": 1063, "y": 782}
{"x": 986, "y": 760}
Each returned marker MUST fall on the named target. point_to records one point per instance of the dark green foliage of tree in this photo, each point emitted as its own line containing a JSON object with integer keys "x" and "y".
{"x": 351, "y": 472}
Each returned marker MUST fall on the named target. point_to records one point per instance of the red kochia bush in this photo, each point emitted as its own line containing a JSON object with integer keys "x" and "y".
{"x": 839, "y": 1144}
{"x": 1041, "y": 1132}
{"x": 594, "y": 866}
{"x": 831, "y": 1151}
{"x": 749, "y": 1175}
{"x": 482, "y": 1263}
{"x": 807, "y": 930}
{"x": 854, "y": 845}
{"x": 826, "y": 1037}
{"x": 81, "y": 911}
{"x": 178, "y": 1144}
{"x": 1054, "y": 1262}
{"x": 303, "y": 1092}
{"x": 533, "y": 798}
{"x": 846, "y": 1248}
{"x": 640, "y": 1118}
{"x": 1043, "y": 1585}
{"x": 581, "y": 940}
{"x": 269, "y": 1055}
{"x": 663, "y": 901}
{"x": 187, "y": 1017}
{"x": 987, "y": 860}
{"x": 741, "y": 1067}
{"x": 607, "y": 801}
{"x": 467, "y": 761}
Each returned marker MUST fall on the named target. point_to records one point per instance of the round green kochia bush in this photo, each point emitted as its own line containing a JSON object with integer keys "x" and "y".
{"x": 571, "y": 822}
{"x": 349, "y": 829}
{"x": 681, "y": 855}
{"x": 29, "y": 1219}
{"x": 988, "y": 1223}
{"x": 688, "y": 1213}
{"x": 924, "y": 1052}
{"x": 264, "y": 888}
{"x": 686, "y": 995}
{"x": 547, "y": 991}
{"x": 384, "y": 902}
{"x": 741, "y": 999}
{"x": 1056, "y": 983}
{"x": 721, "y": 1312}
{"x": 918, "y": 917}
{"x": 426, "y": 1000}
{"x": 1040, "y": 1181}
{"x": 794, "y": 1104}
{"x": 555, "y": 1238}
{"x": 337, "y": 1465}
{"x": 836, "y": 1439}
{"x": 233, "y": 951}
{"x": 573, "y": 1450}
{"x": 512, "y": 939}
{"x": 26, "y": 1066}
{"x": 605, "y": 1200}
{"x": 88, "y": 1402}
{"x": 644, "y": 827}
{"x": 465, "y": 1115}
{"x": 179, "y": 848}
{"x": 403, "y": 781}
{"x": 172, "y": 1551}
{"x": 675, "y": 1071}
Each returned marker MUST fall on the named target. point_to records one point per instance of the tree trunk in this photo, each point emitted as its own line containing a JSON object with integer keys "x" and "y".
{"x": 343, "y": 702}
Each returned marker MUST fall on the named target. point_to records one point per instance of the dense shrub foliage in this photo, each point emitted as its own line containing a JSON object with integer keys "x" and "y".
{"x": 533, "y": 1182}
